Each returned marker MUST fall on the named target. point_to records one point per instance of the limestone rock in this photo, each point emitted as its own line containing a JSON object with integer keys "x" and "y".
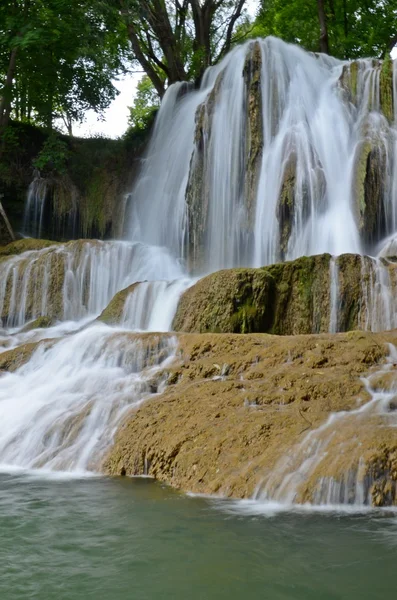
{"x": 235, "y": 405}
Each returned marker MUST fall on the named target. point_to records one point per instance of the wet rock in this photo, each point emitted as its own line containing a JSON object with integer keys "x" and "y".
{"x": 224, "y": 435}
{"x": 254, "y": 127}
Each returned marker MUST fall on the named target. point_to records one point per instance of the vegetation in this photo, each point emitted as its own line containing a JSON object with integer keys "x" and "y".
{"x": 58, "y": 59}
{"x": 343, "y": 28}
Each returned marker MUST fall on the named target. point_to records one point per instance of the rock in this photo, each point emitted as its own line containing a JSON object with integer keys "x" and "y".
{"x": 212, "y": 434}
{"x": 369, "y": 182}
{"x": 25, "y": 245}
{"x": 285, "y": 299}
{"x": 286, "y": 203}
{"x": 11, "y": 360}
{"x": 113, "y": 313}
{"x": 39, "y": 323}
{"x": 386, "y": 89}
{"x": 254, "y": 128}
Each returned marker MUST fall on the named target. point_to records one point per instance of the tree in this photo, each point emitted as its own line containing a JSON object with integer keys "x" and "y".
{"x": 177, "y": 40}
{"x": 324, "y": 47}
{"x": 354, "y": 28}
{"x": 63, "y": 56}
{"x": 146, "y": 104}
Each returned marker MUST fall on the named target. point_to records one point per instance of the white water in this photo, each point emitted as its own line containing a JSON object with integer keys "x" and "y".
{"x": 306, "y": 118}
{"x": 61, "y": 409}
{"x": 34, "y": 208}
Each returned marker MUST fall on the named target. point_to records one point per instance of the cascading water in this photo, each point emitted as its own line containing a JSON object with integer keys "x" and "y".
{"x": 296, "y": 113}
{"x": 336, "y": 447}
{"x": 270, "y": 159}
{"x": 77, "y": 279}
{"x": 34, "y": 208}
{"x": 75, "y": 392}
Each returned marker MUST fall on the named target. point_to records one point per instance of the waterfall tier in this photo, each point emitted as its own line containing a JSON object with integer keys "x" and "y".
{"x": 280, "y": 154}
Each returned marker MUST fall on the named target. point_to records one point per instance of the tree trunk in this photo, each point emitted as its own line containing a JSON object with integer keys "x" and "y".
{"x": 324, "y": 46}
{"x": 5, "y": 101}
{"x": 146, "y": 65}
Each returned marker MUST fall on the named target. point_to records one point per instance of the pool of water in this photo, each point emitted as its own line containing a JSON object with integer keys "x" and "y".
{"x": 119, "y": 539}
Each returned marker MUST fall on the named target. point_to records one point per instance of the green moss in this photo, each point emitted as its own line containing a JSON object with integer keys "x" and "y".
{"x": 386, "y": 89}
{"x": 286, "y": 203}
{"x": 40, "y": 323}
{"x": 24, "y": 245}
{"x": 113, "y": 313}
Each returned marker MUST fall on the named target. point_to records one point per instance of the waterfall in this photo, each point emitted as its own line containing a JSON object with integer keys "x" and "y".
{"x": 60, "y": 410}
{"x": 74, "y": 280}
{"x": 34, "y": 207}
{"x": 152, "y": 304}
{"x": 299, "y": 128}
{"x": 280, "y": 153}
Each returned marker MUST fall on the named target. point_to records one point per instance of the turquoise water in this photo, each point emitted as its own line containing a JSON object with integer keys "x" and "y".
{"x": 135, "y": 539}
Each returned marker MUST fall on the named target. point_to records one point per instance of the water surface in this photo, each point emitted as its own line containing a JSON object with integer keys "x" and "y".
{"x": 115, "y": 539}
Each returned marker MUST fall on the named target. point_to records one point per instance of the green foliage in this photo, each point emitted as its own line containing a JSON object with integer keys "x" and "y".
{"x": 145, "y": 106}
{"x": 53, "y": 156}
{"x": 67, "y": 53}
{"x": 355, "y": 28}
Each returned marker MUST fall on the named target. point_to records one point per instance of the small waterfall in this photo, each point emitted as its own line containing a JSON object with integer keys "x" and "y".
{"x": 71, "y": 281}
{"x": 378, "y": 300}
{"x": 34, "y": 207}
{"x": 328, "y": 466}
{"x": 152, "y": 304}
{"x": 99, "y": 376}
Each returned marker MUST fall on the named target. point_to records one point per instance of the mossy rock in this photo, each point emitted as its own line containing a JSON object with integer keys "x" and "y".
{"x": 254, "y": 128}
{"x": 39, "y": 323}
{"x": 386, "y": 89}
{"x": 25, "y": 245}
{"x": 232, "y": 301}
{"x": 113, "y": 313}
{"x": 288, "y": 298}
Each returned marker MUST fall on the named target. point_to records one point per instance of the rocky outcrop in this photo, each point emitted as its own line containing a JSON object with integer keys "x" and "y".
{"x": 113, "y": 313}
{"x": 254, "y": 127}
{"x": 236, "y": 405}
{"x": 369, "y": 188}
{"x": 386, "y": 89}
{"x": 285, "y": 299}
{"x": 24, "y": 245}
{"x": 197, "y": 191}
{"x": 286, "y": 203}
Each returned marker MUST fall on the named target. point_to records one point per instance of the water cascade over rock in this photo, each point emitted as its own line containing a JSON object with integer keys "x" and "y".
{"x": 280, "y": 153}
{"x": 282, "y": 171}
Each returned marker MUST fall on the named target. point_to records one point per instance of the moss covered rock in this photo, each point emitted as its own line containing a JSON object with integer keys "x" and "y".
{"x": 25, "y": 245}
{"x": 287, "y": 298}
{"x": 39, "y": 323}
{"x": 113, "y": 313}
